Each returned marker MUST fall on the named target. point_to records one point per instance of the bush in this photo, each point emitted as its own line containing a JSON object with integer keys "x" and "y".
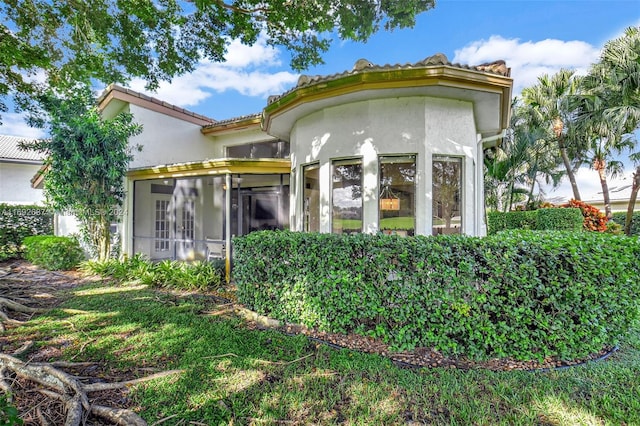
{"x": 53, "y": 253}
{"x": 527, "y": 295}
{"x": 18, "y": 222}
{"x": 554, "y": 219}
{"x": 8, "y": 413}
{"x": 167, "y": 273}
{"x": 545, "y": 219}
{"x": 621, "y": 217}
{"x": 594, "y": 219}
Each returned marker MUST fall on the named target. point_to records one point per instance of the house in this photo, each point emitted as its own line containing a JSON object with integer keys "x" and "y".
{"x": 396, "y": 149}
{"x": 17, "y": 167}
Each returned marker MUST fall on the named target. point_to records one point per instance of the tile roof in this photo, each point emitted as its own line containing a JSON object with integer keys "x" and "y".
{"x": 363, "y": 66}
{"x": 117, "y": 88}
{"x": 9, "y": 150}
{"x": 231, "y": 121}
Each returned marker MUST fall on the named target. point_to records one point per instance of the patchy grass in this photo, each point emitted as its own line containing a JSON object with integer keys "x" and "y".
{"x": 235, "y": 374}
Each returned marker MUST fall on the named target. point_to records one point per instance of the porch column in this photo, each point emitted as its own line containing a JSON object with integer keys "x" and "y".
{"x": 227, "y": 243}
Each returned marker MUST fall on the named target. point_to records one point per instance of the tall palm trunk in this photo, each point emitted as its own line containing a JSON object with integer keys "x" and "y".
{"x": 599, "y": 165}
{"x": 567, "y": 165}
{"x": 632, "y": 201}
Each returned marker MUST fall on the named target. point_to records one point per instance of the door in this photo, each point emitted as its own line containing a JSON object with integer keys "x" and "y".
{"x": 162, "y": 227}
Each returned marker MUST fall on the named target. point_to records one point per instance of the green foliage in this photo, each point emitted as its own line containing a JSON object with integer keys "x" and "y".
{"x": 87, "y": 159}
{"x": 53, "y": 253}
{"x": 115, "y": 41}
{"x": 18, "y": 222}
{"x": 547, "y": 219}
{"x": 620, "y": 217}
{"x": 166, "y": 274}
{"x": 527, "y": 295}
{"x": 9, "y": 415}
{"x": 553, "y": 219}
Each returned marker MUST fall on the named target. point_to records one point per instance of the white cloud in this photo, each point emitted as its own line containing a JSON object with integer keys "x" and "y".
{"x": 247, "y": 71}
{"x": 14, "y": 125}
{"x": 530, "y": 59}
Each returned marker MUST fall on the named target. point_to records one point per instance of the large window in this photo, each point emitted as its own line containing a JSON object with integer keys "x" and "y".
{"x": 271, "y": 149}
{"x": 311, "y": 197}
{"x": 447, "y": 195}
{"x": 346, "y": 196}
{"x": 397, "y": 195}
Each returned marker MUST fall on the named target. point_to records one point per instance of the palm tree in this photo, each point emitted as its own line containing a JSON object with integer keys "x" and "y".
{"x": 609, "y": 108}
{"x": 550, "y": 109}
{"x": 521, "y": 163}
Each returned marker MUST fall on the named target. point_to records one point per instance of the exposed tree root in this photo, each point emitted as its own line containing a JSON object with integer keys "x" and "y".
{"x": 70, "y": 391}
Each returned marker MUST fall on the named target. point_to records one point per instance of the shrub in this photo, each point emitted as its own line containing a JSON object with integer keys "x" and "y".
{"x": 9, "y": 414}
{"x": 53, "y": 253}
{"x": 554, "y": 219}
{"x": 594, "y": 219}
{"x": 621, "y": 217}
{"x": 527, "y": 295}
{"x": 545, "y": 219}
{"x": 167, "y": 273}
{"x": 18, "y": 222}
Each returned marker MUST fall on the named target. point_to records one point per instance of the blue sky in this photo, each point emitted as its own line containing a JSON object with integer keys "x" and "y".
{"x": 532, "y": 36}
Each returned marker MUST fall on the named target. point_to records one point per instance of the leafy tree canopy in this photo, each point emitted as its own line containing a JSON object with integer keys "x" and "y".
{"x": 71, "y": 41}
{"x": 87, "y": 158}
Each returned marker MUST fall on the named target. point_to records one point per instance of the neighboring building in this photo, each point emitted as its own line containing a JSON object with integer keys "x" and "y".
{"x": 17, "y": 167}
{"x": 617, "y": 205}
{"x": 393, "y": 149}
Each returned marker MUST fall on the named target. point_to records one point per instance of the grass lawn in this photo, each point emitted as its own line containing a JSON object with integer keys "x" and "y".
{"x": 236, "y": 375}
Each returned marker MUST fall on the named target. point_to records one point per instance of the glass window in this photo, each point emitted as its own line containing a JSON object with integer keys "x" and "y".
{"x": 162, "y": 229}
{"x": 311, "y": 197}
{"x": 271, "y": 149}
{"x": 447, "y": 195}
{"x": 398, "y": 195}
{"x": 346, "y": 197}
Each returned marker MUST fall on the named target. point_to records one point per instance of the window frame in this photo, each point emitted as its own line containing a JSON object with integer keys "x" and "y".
{"x": 398, "y": 156}
{"x": 346, "y": 161}
{"x": 461, "y": 197}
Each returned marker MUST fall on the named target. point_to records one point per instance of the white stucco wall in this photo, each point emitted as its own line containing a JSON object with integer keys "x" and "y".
{"x": 15, "y": 184}
{"x": 167, "y": 140}
{"x": 368, "y": 129}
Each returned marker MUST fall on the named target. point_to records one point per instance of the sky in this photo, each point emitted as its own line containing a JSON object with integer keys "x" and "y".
{"x": 533, "y": 37}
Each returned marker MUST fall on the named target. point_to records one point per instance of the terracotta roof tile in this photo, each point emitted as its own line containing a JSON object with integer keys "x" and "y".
{"x": 363, "y": 66}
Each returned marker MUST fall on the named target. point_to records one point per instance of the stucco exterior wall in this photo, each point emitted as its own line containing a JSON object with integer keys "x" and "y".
{"x": 422, "y": 126}
{"x": 15, "y": 184}
{"x": 168, "y": 140}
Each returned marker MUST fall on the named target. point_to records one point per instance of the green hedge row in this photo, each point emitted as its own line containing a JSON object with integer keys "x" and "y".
{"x": 53, "y": 253}
{"x": 18, "y": 222}
{"x": 548, "y": 219}
{"x": 524, "y": 294}
{"x": 621, "y": 217}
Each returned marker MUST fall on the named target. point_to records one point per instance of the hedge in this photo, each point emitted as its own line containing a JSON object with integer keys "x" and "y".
{"x": 18, "y": 222}
{"x": 526, "y": 295}
{"x": 53, "y": 253}
{"x": 547, "y": 219}
{"x": 621, "y": 217}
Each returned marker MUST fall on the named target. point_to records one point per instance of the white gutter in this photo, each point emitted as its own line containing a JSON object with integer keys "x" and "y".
{"x": 488, "y": 142}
